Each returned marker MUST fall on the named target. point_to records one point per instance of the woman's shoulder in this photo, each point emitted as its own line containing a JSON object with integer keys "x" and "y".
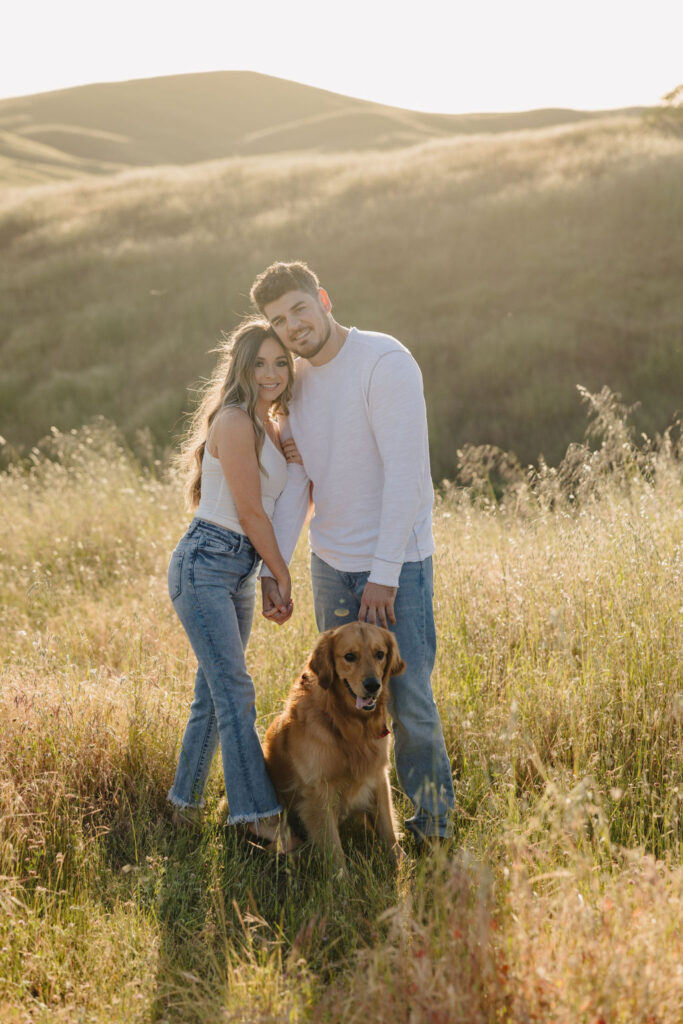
{"x": 232, "y": 414}
{"x": 231, "y": 423}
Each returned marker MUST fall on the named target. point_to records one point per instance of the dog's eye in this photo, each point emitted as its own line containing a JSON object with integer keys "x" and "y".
{"x": 349, "y": 656}
{"x": 379, "y": 655}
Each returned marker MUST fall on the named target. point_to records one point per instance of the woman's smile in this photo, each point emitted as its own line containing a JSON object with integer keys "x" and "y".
{"x": 271, "y": 369}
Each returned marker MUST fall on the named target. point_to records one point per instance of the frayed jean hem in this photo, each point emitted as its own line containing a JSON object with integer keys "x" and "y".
{"x": 421, "y": 829}
{"x": 177, "y": 802}
{"x": 244, "y": 819}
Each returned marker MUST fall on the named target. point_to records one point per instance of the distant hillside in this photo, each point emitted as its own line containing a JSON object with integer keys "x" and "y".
{"x": 184, "y": 119}
{"x": 515, "y": 266}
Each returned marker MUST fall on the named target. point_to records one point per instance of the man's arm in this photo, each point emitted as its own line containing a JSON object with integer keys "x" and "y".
{"x": 399, "y": 423}
{"x": 291, "y": 510}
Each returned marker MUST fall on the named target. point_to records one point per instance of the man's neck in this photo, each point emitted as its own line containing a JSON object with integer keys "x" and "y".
{"x": 332, "y": 346}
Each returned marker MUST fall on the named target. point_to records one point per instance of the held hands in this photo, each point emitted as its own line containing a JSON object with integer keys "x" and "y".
{"x": 377, "y": 602}
{"x": 377, "y": 605}
{"x": 276, "y": 596}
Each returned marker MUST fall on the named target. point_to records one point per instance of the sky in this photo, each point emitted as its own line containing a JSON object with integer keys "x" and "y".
{"x": 453, "y": 56}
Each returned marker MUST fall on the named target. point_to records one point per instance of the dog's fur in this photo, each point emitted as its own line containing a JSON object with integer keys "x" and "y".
{"x": 328, "y": 751}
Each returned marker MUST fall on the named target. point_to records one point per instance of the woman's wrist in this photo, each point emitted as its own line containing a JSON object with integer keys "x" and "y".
{"x": 283, "y": 578}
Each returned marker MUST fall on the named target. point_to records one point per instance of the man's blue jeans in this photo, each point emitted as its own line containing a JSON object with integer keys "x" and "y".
{"x": 211, "y": 580}
{"x": 422, "y": 765}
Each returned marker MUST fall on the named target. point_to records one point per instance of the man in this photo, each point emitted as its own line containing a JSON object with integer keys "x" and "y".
{"x": 358, "y": 419}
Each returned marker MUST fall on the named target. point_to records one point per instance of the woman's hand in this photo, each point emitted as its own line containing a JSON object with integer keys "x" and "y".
{"x": 291, "y": 451}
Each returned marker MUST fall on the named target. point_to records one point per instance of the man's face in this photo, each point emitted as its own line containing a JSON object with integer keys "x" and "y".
{"x": 300, "y": 321}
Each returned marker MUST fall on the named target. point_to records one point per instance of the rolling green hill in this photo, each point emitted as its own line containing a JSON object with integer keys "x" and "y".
{"x": 185, "y": 119}
{"x": 514, "y": 265}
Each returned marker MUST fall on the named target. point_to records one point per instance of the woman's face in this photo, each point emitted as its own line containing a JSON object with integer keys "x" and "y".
{"x": 271, "y": 370}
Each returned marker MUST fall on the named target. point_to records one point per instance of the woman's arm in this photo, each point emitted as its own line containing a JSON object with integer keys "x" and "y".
{"x": 234, "y": 443}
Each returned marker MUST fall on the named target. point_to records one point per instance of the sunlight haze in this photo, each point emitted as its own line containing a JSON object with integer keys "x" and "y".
{"x": 451, "y": 58}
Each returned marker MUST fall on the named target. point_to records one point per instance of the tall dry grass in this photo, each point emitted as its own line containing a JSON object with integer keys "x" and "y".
{"x": 528, "y": 262}
{"x": 560, "y": 686}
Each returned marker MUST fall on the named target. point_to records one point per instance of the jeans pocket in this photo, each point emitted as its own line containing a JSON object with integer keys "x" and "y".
{"x": 175, "y": 569}
{"x": 227, "y": 545}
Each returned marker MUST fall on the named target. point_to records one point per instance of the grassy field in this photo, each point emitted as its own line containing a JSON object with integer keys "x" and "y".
{"x": 560, "y": 685}
{"x": 515, "y": 266}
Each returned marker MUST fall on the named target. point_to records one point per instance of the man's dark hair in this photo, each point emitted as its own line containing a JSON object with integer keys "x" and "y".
{"x": 280, "y": 278}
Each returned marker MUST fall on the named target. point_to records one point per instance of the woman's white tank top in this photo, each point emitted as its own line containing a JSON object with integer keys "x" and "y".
{"x": 216, "y": 503}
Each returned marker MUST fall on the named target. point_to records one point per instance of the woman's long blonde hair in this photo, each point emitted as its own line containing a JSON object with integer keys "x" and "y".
{"x": 231, "y": 384}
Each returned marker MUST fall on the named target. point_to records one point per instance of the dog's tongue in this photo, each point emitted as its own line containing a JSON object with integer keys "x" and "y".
{"x": 363, "y": 702}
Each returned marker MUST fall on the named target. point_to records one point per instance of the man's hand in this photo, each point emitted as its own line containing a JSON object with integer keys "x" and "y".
{"x": 377, "y": 605}
{"x": 274, "y": 608}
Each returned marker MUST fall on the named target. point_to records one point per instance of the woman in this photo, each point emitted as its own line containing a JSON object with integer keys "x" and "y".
{"x": 236, "y": 470}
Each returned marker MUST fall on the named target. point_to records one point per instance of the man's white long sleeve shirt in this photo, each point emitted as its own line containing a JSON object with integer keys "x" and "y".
{"x": 360, "y": 424}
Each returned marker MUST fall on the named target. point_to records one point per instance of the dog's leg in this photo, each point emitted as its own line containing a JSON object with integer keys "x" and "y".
{"x": 320, "y": 822}
{"x": 384, "y": 820}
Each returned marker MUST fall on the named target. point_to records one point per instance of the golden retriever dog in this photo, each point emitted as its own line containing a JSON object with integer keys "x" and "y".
{"x": 328, "y": 751}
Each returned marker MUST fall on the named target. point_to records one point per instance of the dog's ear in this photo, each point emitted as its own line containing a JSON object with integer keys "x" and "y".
{"x": 395, "y": 663}
{"x": 322, "y": 659}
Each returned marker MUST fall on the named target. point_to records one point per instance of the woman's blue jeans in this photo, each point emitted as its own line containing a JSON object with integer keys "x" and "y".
{"x": 211, "y": 581}
{"x": 422, "y": 764}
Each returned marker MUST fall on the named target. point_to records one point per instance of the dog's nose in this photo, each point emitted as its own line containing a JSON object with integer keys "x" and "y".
{"x": 371, "y": 685}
